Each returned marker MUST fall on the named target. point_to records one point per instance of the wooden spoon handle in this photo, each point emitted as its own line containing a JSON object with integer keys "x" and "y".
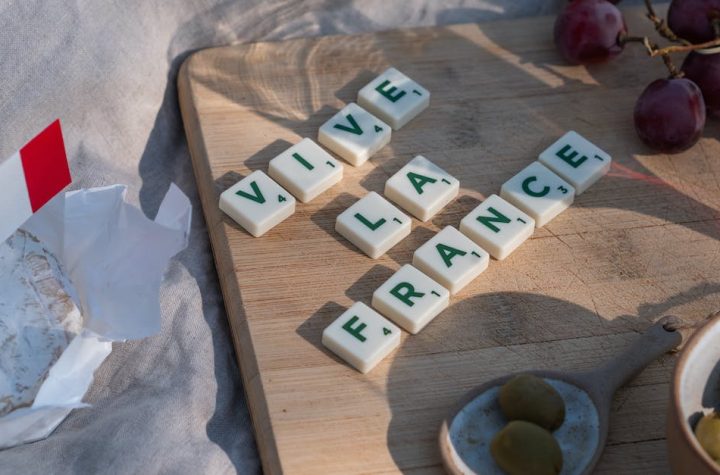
{"x": 660, "y": 338}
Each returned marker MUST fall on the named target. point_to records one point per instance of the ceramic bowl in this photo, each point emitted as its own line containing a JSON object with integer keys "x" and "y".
{"x": 695, "y": 391}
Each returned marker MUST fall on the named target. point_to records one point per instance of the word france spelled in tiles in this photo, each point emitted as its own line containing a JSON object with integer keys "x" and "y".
{"x": 422, "y": 188}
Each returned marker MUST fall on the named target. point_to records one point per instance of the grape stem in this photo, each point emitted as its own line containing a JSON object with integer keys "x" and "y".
{"x": 660, "y": 25}
{"x": 653, "y": 50}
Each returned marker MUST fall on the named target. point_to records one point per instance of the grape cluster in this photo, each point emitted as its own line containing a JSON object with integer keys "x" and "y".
{"x": 670, "y": 113}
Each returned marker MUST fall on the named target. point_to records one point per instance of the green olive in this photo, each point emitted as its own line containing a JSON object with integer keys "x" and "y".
{"x": 526, "y": 397}
{"x": 523, "y": 448}
{"x": 707, "y": 432}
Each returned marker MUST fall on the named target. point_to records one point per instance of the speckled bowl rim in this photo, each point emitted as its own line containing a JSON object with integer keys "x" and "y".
{"x": 685, "y": 430}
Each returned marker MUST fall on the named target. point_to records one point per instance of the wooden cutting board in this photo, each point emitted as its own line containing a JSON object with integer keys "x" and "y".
{"x": 641, "y": 243}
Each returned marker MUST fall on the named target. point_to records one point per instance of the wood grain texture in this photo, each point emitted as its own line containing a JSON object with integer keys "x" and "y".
{"x": 640, "y": 243}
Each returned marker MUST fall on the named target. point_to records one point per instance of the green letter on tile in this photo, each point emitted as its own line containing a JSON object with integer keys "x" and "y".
{"x": 489, "y": 220}
{"x": 366, "y": 222}
{"x": 354, "y": 129}
{"x": 256, "y": 197}
{"x": 388, "y": 93}
{"x": 356, "y": 332}
{"x": 302, "y": 161}
{"x": 418, "y": 181}
{"x": 447, "y": 253}
{"x": 569, "y": 158}
{"x": 537, "y": 194}
{"x": 406, "y": 292}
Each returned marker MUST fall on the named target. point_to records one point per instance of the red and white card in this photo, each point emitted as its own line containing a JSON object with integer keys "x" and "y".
{"x": 31, "y": 177}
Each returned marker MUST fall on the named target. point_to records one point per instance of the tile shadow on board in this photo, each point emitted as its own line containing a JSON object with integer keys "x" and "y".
{"x": 349, "y": 92}
{"x": 325, "y": 217}
{"x": 453, "y": 213}
{"x": 362, "y": 289}
{"x": 311, "y": 329}
{"x": 402, "y": 252}
{"x": 261, "y": 159}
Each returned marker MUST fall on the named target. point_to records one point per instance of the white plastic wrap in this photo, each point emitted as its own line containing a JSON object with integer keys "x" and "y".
{"x": 115, "y": 258}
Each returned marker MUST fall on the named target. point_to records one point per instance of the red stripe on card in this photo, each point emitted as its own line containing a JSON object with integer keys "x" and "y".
{"x": 45, "y": 165}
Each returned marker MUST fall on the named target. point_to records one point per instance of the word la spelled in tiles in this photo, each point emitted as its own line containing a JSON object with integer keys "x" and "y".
{"x": 305, "y": 170}
{"x": 373, "y": 224}
{"x": 410, "y": 298}
{"x": 394, "y": 97}
{"x": 362, "y": 337}
{"x": 497, "y": 226}
{"x": 354, "y": 134}
{"x": 539, "y": 192}
{"x": 576, "y": 160}
{"x": 422, "y": 188}
{"x": 451, "y": 259}
{"x": 257, "y": 203}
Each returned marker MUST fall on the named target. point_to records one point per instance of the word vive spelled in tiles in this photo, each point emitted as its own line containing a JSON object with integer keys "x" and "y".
{"x": 354, "y": 134}
{"x": 394, "y": 98}
{"x": 539, "y": 192}
{"x": 305, "y": 170}
{"x": 422, "y": 188}
{"x": 451, "y": 259}
{"x": 576, "y": 160}
{"x": 373, "y": 224}
{"x": 497, "y": 226}
{"x": 257, "y": 203}
{"x": 31, "y": 177}
{"x": 410, "y": 298}
{"x": 362, "y": 337}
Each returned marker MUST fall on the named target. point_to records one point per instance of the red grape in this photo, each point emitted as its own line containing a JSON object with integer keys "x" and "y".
{"x": 704, "y": 70}
{"x": 670, "y": 115}
{"x": 587, "y": 31}
{"x": 692, "y": 19}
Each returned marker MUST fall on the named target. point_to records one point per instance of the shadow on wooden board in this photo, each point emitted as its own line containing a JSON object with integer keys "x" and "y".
{"x": 555, "y": 98}
{"x": 486, "y": 336}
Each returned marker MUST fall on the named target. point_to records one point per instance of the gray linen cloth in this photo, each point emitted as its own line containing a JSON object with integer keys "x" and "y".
{"x": 172, "y": 403}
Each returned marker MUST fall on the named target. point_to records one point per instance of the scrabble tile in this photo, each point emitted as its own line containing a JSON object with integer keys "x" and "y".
{"x": 422, "y": 188}
{"x": 577, "y": 160}
{"x": 411, "y": 299}
{"x": 354, "y": 134}
{"x": 394, "y": 98}
{"x": 497, "y": 226}
{"x": 362, "y": 337}
{"x": 257, "y": 203}
{"x": 538, "y": 192}
{"x": 305, "y": 170}
{"x": 373, "y": 224}
{"x": 451, "y": 259}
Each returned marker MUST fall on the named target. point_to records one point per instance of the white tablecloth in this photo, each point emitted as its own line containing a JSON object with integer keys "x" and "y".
{"x": 172, "y": 403}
